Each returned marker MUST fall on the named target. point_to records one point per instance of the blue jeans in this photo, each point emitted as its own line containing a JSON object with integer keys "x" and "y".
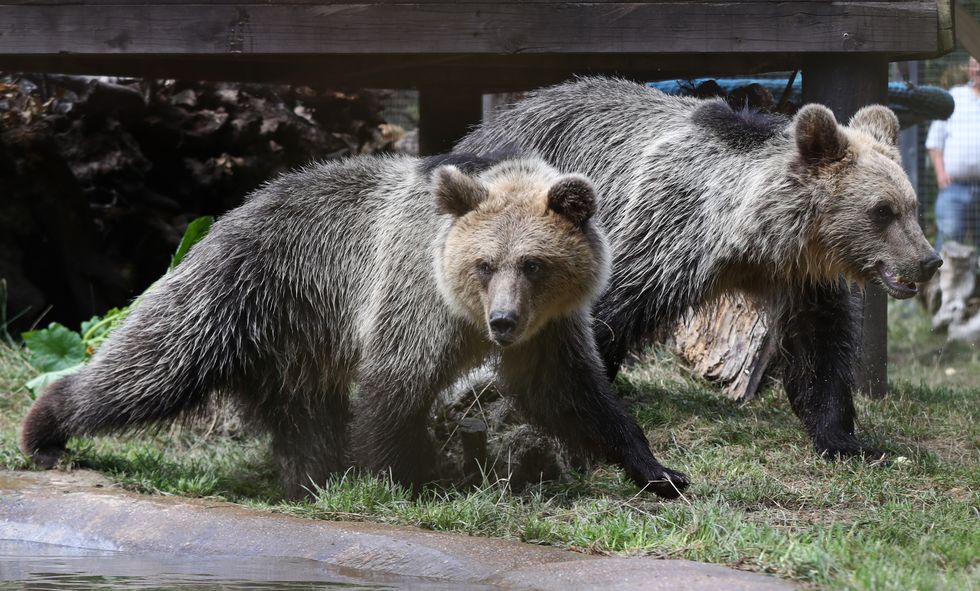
{"x": 958, "y": 214}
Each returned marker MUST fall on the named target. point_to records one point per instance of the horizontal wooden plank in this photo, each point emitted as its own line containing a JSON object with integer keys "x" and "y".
{"x": 894, "y": 28}
{"x": 325, "y": 2}
{"x": 492, "y": 73}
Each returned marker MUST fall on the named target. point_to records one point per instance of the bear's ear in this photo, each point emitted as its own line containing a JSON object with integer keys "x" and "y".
{"x": 573, "y": 197}
{"x": 877, "y": 121}
{"x": 456, "y": 193}
{"x": 818, "y": 139}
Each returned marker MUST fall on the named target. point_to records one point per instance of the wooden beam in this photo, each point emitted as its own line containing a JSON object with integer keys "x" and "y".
{"x": 947, "y": 35}
{"x": 491, "y": 73}
{"x": 846, "y": 85}
{"x": 365, "y": 2}
{"x": 100, "y": 27}
{"x": 967, "y": 30}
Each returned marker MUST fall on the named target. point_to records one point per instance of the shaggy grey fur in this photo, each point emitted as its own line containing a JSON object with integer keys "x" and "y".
{"x": 339, "y": 274}
{"x": 701, "y": 200}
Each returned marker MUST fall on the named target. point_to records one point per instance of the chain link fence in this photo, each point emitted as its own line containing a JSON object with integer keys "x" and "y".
{"x": 947, "y": 152}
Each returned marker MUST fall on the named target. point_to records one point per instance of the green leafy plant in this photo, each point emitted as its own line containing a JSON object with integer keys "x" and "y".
{"x": 54, "y": 348}
{"x": 196, "y": 230}
{"x": 58, "y": 351}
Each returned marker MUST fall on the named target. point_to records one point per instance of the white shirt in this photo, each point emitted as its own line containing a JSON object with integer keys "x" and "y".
{"x": 959, "y": 136}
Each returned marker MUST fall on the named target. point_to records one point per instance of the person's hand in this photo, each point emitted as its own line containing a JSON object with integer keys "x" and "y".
{"x": 942, "y": 179}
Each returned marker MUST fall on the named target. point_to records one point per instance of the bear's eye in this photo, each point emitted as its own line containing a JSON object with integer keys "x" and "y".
{"x": 882, "y": 214}
{"x": 484, "y": 269}
{"x": 532, "y": 267}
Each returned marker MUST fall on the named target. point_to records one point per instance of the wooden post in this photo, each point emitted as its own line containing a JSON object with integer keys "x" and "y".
{"x": 845, "y": 84}
{"x": 446, "y": 114}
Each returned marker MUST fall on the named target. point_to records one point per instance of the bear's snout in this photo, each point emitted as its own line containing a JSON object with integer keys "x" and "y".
{"x": 502, "y": 325}
{"x": 929, "y": 265}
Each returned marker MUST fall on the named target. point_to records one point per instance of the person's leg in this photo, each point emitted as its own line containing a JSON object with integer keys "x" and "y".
{"x": 952, "y": 213}
{"x": 973, "y": 217}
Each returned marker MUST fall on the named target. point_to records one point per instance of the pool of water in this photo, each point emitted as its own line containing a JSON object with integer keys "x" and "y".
{"x": 43, "y": 567}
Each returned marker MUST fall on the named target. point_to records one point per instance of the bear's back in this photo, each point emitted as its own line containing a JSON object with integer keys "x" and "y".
{"x": 313, "y": 244}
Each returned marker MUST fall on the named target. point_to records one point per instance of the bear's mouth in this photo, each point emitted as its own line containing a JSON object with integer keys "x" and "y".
{"x": 503, "y": 340}
{"x": 897, "y": 286}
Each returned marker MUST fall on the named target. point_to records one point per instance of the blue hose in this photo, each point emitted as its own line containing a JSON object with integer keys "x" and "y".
{"x": 913, "y": 104}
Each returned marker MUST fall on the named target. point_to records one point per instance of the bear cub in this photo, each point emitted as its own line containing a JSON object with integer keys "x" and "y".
{"x": 395, "y": 274}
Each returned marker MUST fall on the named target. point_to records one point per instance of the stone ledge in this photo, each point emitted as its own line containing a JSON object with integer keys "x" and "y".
{"x": 82, "y": 509}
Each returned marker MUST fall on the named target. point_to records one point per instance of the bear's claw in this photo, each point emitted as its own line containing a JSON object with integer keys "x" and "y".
{"x": 664, "y": 482}
{"x": 671, "y": 486}
{"x": 852, "y": 449}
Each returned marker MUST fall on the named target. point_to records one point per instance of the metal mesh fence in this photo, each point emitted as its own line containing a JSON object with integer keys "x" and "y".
{"x": 943, "y": 158}
{"x": 401, "y": 108}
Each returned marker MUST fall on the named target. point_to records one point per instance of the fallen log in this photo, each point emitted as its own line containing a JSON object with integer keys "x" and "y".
{"x": 728, "y": 343}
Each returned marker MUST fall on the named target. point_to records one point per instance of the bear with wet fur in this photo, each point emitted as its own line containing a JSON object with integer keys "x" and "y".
{"x": 702, "y": 200}
{"x": 395, "y": 274}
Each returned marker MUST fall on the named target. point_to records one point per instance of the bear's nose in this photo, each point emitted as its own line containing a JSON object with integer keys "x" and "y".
{"x": 930, "y": 265}
{"x": 503, "y": 322}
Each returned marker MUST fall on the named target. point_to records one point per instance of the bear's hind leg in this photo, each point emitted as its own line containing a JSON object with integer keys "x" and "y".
{"x": 125, "y": 388}
{"x": 44, "y": 433}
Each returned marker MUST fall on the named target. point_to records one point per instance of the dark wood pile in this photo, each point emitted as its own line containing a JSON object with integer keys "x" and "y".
{"x": 99, "y": 177}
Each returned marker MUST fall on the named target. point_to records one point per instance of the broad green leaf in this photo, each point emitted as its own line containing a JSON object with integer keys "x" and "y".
{"x": 38, "y": 384}
{"x": 196, "y": 230}
{"x": 54, "y": 348}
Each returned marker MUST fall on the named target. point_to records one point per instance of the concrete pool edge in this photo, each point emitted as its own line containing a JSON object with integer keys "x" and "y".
{"x": 82, "y": 509}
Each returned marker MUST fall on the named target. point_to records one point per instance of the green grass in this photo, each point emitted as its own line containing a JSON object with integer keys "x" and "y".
{"x": 761, "y": 499}
{"x": 917, "y": 354}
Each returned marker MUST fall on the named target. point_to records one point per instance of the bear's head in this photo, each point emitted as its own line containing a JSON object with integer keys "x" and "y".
{"x": 864, "y": 208}
{"x": 521, "y": 248}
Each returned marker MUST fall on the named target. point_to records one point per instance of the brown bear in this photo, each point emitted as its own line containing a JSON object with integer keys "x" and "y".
{"x": 701, "y": 200}
{"x": 395, "y": 274}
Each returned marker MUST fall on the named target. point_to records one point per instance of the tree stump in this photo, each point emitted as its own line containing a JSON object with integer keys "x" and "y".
{"x": 728, "y": 343}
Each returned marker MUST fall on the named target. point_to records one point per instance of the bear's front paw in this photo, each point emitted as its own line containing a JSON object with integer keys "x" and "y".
{"x": 839, "y": 449}
{"x": 662, "y": 481}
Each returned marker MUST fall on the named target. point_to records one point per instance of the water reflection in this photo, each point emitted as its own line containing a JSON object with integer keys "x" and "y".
{"x": 43, "y": 567}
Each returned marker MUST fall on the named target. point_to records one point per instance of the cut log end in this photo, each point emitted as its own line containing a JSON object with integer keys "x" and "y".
{"x": 728, "y": 343}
